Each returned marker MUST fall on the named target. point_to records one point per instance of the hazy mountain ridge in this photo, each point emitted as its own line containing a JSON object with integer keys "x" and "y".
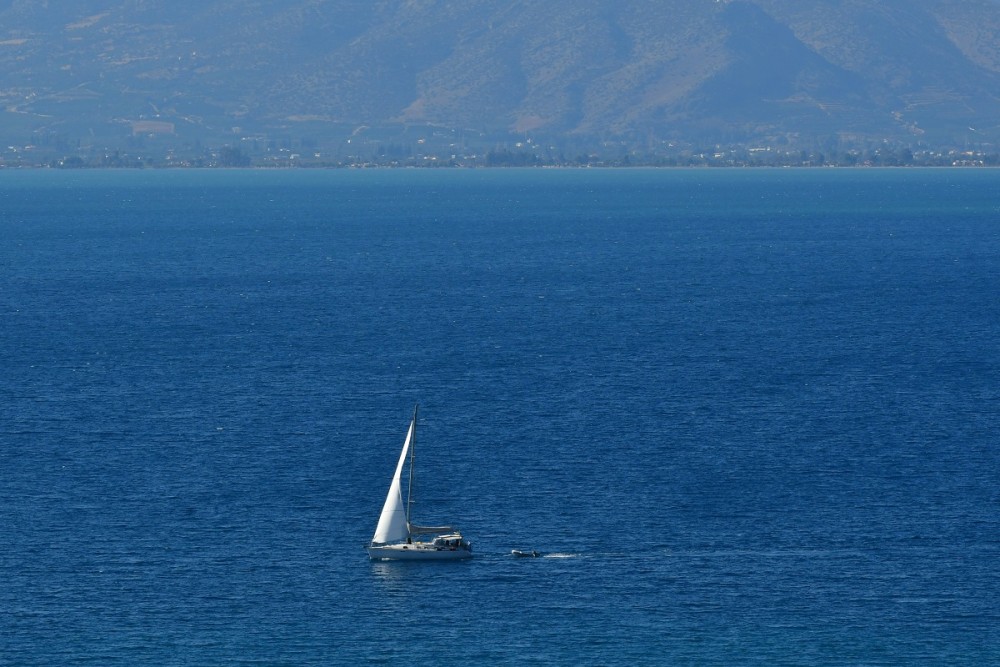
{"x": 645, "y": 71}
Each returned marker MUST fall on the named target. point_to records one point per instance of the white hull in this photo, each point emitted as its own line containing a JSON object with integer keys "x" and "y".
{"x": 416, "y": 551}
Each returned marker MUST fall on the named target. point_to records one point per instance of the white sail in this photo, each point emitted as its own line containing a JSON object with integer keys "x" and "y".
{"x": 392, "y": 522}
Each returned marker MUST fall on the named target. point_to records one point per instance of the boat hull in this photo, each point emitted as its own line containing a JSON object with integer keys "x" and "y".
{"x": 416, "y": 552}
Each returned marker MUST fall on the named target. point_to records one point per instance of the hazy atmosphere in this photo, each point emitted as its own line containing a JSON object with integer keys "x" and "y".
{"x": 480, "y": 82}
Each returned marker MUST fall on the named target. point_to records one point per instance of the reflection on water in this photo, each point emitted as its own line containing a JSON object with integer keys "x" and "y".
{"x": 390, "y": 577}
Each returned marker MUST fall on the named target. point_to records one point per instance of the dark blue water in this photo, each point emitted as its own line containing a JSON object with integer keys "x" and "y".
{"x": 750, "y": 417}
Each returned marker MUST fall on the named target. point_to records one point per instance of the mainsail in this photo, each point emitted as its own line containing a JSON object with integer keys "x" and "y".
{"x": 392, "y": 524}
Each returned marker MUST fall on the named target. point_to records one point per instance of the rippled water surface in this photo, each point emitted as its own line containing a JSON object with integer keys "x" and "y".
{"x": 747, "y": 417}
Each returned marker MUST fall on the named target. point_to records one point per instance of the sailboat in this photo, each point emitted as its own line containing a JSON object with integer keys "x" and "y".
{"x": 394, "y": 535}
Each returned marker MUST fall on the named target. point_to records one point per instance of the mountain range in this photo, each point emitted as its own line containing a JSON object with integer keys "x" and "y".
{"x": 101, "y": 75}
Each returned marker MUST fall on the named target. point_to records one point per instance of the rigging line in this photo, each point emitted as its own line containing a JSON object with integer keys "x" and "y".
{"x": 409, "y": 485}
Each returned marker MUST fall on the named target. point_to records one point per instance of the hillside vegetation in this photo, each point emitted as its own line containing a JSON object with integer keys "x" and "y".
{"x": 569, "y": 74}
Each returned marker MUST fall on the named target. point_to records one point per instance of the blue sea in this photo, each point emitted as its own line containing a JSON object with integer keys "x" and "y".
{"x": 746, "y": 417}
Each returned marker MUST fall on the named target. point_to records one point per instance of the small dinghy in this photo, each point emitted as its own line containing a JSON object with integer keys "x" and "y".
{"x": 524, "y": 554}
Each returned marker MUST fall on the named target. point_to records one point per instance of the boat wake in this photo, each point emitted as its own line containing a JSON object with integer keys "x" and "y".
{"x": 523, "y": 553}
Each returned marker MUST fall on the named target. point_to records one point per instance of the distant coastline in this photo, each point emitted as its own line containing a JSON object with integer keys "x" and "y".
{"x": 441, "y": 148}
{"x": 738, "y": 158}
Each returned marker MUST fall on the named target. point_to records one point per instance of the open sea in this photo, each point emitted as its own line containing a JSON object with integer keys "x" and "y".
{"x": 748, "y": 417}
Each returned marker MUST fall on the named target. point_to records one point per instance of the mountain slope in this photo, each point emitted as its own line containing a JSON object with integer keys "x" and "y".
{"x": 647, "y": 70}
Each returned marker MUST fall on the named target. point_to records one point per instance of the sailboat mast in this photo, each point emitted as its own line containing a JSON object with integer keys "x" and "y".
{"x": 409, "y": 485}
